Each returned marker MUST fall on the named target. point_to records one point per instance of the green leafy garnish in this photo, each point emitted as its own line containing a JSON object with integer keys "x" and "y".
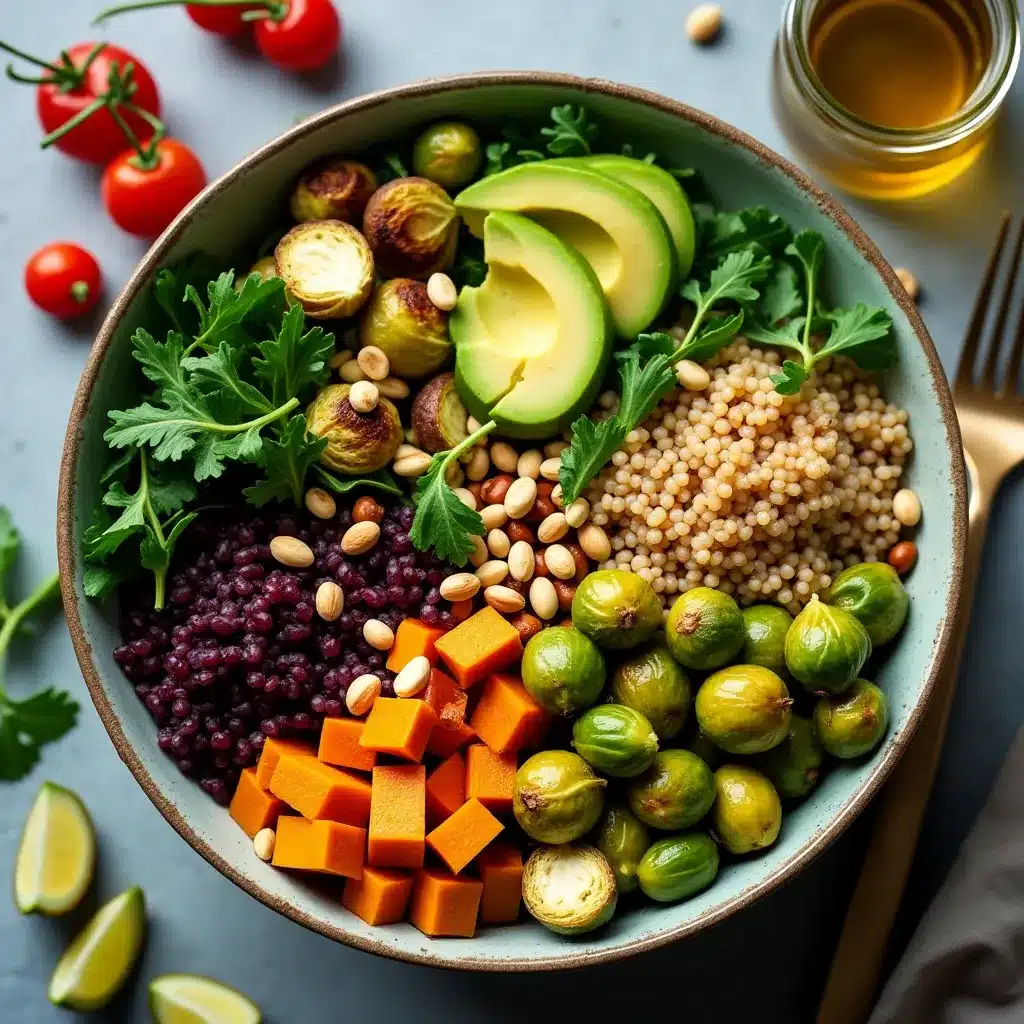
{"x": 45, "y": 716}
{"x": 756, "y": 229}
{"x": 285, "y": 463}
{"x": 381, "y": 480}
{"x": 391, "y": 166}
{"x": 572, "y": 133}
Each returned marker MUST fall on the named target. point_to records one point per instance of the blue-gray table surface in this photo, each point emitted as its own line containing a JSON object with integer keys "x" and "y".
{"x": 767, "y": 964}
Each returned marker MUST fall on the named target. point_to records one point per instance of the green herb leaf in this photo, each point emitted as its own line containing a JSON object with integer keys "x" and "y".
{"x": 593, "y": 444}
{"x": 656, "y": 343}
{"x": 227, "y": 309}
{"x": 168, "y": 291}
{"x": 99, "y": 581}
{"x": 10, "y": 542}
{"x": 391, "y": 166}
{"x": 756, "y": 228}
{"x": 442, "y": 521}
{"x": 809, "y": 248}
{"x": 786, "y": 336}
{"x": 218, "y": 374}
{"x": 715, "y": 336}
{"x": 732, "y": 279}
{"x": 496, "y": 154}
{"x": 781, "y": 297}
{"x": 381, "y": 480}
{"x": 296, "y": 359}
{"x": 25, "y": 725}
{"x": 573, "y": 131}
{"x": 863, "y": 334}
{"x": 285, "y": 462}
{"x": 791, "y": 379}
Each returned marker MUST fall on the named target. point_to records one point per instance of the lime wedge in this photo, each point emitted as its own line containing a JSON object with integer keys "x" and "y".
{"x": 96, "y": 964}
{"x": 57, "y": 854}
{"x": 190, "y": 999}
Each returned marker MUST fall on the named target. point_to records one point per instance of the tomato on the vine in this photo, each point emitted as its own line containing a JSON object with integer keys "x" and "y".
{"x": 222, "y": 21}
{"x": 144, "y": 191}
{"x": 63, "y": 279}
{"x": 306, "y": 37}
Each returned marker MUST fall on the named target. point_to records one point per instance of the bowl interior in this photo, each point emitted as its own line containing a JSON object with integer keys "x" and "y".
{"x": 233, "y": 215}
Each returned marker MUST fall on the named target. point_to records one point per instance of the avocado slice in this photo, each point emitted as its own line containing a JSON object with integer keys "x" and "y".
{"x": 532, "y": 342}
{"x": 616, "y": 229}
{"x": 659, "y": 186}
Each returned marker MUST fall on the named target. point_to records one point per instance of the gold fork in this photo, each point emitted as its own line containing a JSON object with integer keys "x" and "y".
{"x": 991, "y": 415}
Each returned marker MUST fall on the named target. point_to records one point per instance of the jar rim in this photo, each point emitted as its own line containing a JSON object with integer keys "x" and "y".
{"x": 981, "y": 106}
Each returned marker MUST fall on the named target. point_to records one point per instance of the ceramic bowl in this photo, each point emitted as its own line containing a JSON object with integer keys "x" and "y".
{"x": 234, "y": 212}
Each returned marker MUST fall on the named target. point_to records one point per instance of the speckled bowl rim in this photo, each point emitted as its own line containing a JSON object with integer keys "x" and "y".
{"x": 571, "y": 958}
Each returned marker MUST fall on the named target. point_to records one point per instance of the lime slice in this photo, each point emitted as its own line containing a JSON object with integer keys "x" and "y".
{"x": 57, "y": 854}
{"x": 190, "y": 999}
{"x": 101, "y": 957}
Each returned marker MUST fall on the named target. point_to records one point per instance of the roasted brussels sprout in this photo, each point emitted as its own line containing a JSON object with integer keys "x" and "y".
{"x": 873, "y": 593}
{"x": 744, "y": 709}
{"x": 412, "y": 228}
{"x": 411, "y": 331}
{"x": 265, "y": 267}
{"x": 794, "y": 766}
{"x": 748, "y": 813}
{"x": 765, "y": 627}
{"x": 852, "y": 724}
{"x": 616, "y": 740}
{"x": 357, "y": 443}
{"x": 557, "y": 798}
{"x": 623, "y": 839}
{"x": 678, "y": 867}
{"x": 704, "y": 629}
{"x": 449, "y": 153}
{"x": 333, "y": 189}
{"x": 675, "y": 792}
{"x": 438, "y": 415}
{"x": 327, "y": 268}
{"x": 563, "y": 671}
{"x": 826, "y": 647}
{"x": 654, "y": 684}
{"x": 569, "y": 889}
{"x": 616, "y": 609}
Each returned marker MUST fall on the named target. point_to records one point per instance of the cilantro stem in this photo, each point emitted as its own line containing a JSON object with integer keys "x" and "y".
{"x": 698, "y": 322}
{"x": 47, "y": 590}
{"x": 237, "y": 428}
{"x": 159, "y": 575}
{"x": 470, "y": 441}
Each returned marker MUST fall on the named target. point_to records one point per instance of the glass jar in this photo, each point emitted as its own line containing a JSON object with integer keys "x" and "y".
{"x": 887, "y": 163}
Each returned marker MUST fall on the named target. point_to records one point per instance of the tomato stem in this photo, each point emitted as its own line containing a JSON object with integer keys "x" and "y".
{"x": 276, "y": 10}
{"x": 80, "y": 292}
{"x": 65, "y": 75}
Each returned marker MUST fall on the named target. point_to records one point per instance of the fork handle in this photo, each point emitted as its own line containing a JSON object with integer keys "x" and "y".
{"x": 853, "y": 978}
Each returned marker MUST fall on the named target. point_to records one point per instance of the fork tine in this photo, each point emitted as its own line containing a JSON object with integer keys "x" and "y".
{"x": 988, "y": 377}
{"x": 1012, "y": 381}
{"x": 964, "y": 370}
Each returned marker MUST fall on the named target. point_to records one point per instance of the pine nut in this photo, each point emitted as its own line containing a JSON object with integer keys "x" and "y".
{"x": 453, "y": 476}
{"x": 291, "y": 551}
{"x": 504, "y": 457}
{"x": 466, "y": 497}
{"x": 441, "y": 291}
{"x": 362, "y": 692}
{"x": 373, "y": 362}
{"x": 379, "y": 635}
{"x": 479, "y": 554}
{"x": 556, "y": 496}
{"x": 264, "y": 842}
{"x": 906, "y": 507}
{"x": 492, "y": 573}
{"x": 498, "y": 543}
{"x": 504, "y": 599}
{"x": 543, "y": 598}
{"x": 339, "y": 359}
{"x": 412, "y": 465}
{"x": 560, "y": 562}
{"x": 351, "y": 371}
{"x": 704, "y": 23}
{"x": 554, "y": 527}
{"x": 413, "y": 677}
{"x": 479, "y": 465}
{"x": 521, "y": 561}
{"x": 330, "y": 601}
{"x": 549, "y": 468}
{"x": 460, "y": 587}
{"x": 405, "y": 450}
{"x": 909, "y": 282}
{"x": 520, "y": 496}
{"x": 494, "y": 517}
{"x": 554, "y": 449}
{"x": 595, "y": 543}
{"x": 360, "y": 537}
{"x": 363, "y": 396}
{"x": 472, "y": 426}
{"x": 692, "y": 376}
{"x": 578, "y": 513}
{"x": 320, "y": 503}
{"x": 392, "y": 387}
{"x": 529, "y": 463}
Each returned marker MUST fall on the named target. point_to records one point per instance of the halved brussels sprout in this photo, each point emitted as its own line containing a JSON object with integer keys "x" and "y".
{"x": 654, "y": 684}
{"x": 357, "y": 442}
{"x": 854, "y": 723}
{"x": 411, "y": 331}
{"x": 616, "y": 740}
{"x": 678, "y": 867}
{"x": 616, "y": 609}
{"x": 873, "y": 593}
{"x": 333, "y": 189}
{"x": 412, "y": 227}
{"x": 327, "y": 268}
{"x": 675, "y": 792}
{"x": 748, "y": 813}
{"x": 794, "y": 766}
{"x": 826, "y": 648}
{"x": 557, "y": 798}
{"x": 623, "y": 839}
{"x": 569, "y": 889}
{"x": 438, "y": 415}
{"x": 449, "y": 153}
{"x": 704, "y": 629}
{"x": 744, "y": 709}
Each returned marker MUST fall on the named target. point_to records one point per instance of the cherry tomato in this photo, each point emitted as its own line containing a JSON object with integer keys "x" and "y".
{"x": 144, "y": 200}
{"x": 98, "y": 139}
{"x": 305, "y": 39}
{"x": 222, "y": 21}
{"x": 62, "y": 279}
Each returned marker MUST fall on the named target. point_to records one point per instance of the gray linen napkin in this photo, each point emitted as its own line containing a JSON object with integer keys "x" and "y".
{"x": 965, "y": 963}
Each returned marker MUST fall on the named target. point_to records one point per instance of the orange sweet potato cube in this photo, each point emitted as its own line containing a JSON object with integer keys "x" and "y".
{"x": 317, "y": 790}
{"x": 379, "y": 897}
{"x": 446, "y": 698}
{"x": 327, "y": 846}
{"x": 413, "y": 638}
{"x": 500, "y": 868}
{"x": 490, "y": 778}
{"x": 444, "y": 742}
{"x": 271, "y": 754}
{"x": 446, "y": 789}
{"x": 506, "y": 717}
{"x": 398, "y": 726}
{"x": 465, "y": 834}
{"x": 398, "y": 816}
{"x": 339, "y": 745}
{"x": 445, "y": 905}
{"x": 253, "y": 807}
{"x": 483, "y": 644}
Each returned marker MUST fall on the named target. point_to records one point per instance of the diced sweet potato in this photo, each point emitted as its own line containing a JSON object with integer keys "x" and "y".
{"x": 506, "y": 717}
{"x": 465, "y": 834}
{"x": 412, "y": 639}
{"x": 500, "y": 867}
{"x": 327, "y": 846}
{"x": 483, "y": 644}
{"x": 380, "y": 896}
{"x": 253, "y": 807}
{"x": 445, "y": 905}
{"x": 444, "y": 742}
{"x": 339, "y": 745}
{"x": 317, "y": 790}
{"x": 446, "y": 789}
{"x": 397, "y": 726}
{"x": 271, "y": 754}
{"x": 398, "y": 816}
{"x": 446, "y": 698}
{"x": 490, "y": 778}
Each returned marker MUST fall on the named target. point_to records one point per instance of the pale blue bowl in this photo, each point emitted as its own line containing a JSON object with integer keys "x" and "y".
{"x": 238, "y": 208}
